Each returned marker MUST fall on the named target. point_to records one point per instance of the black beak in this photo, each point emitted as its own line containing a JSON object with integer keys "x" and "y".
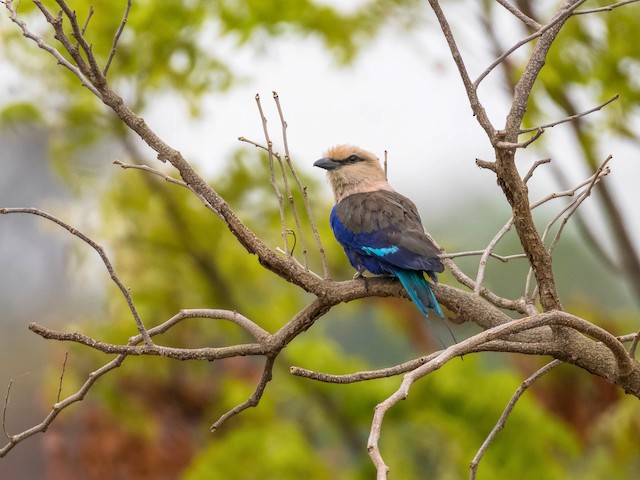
{"x": 327, "y": 164}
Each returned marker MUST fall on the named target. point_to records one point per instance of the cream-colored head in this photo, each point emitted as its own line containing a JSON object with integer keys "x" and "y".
{"x": 352, "y": 170}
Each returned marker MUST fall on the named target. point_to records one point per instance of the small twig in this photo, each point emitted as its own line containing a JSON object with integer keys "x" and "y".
{"x": 533, "y": 168}
{"x": 475, "y": 253}
{"x": 560, "y": 17}
{"x": 386, "y": 165}
{"x": 169, "y": 179}
{"x": 472, "y": 89}
{"x": 528, "y": 21}
{"x": 59, "y": 406}
{"x": 570, "y": 207}
{"x": 77, "y": 34}
{"x": 86, "y": 22}
{"x": 64, "y": 367}
{"x": 487, "y": 251}
{"x": 146, "y": 168}
{"x": 634, "y": 345}
{"x": 46, "y": 47}
{"x": 4, "y": 411}
{"x": 600, "y": 172}
{"x": 103, "y": 256}
{"x": 464, "y": 279}
{"x": 486, "y": 164}
{"x": 276, "y": 189}
{"x": 572, "y": 117}
{"x": 505, "y": 414}
{"x": 253, "y": 400}
{"x": 116, "y": 38}
{"x": 251, "y": 142}
{"x": 295, "y": 260}
{"x": 604, "y": 9}
{"x": 525, "y": 144}
{"x": 287, "y": 158}
{"x": 363, "y": 376}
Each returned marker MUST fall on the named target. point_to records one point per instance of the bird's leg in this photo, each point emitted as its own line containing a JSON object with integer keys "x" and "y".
{"x": 359, "y": 273}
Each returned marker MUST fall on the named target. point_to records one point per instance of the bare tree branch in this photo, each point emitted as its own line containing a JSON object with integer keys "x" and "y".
{"x": 116, "y": 38}
{"x": 624, "y": 365}
{"x": 529, "y": 22}
{"x": 253, "y": 400}
{"x": 303, "y": 191}
{"x": 571, "y": 117}
{"x": 471, "y": 88}
{"x": 608, "y": 8}
{"x": 556, "y": 23}
{"x": 505, "y": 414}
{"x": 103, "y": 256}
{"x": 46, "y": 47}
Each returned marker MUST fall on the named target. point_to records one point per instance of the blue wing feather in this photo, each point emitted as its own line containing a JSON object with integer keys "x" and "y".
{"x": 381, "y": 232}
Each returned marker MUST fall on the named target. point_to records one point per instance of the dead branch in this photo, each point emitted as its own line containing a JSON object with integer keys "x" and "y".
{"x": 116, "y": 38}
{"x": 103, "y": 256}
{"x": 505, "y": 414}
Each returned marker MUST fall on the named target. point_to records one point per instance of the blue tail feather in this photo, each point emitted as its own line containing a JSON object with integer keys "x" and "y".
{"x": 419, "y": 291}
{"x": 421, "y": 294}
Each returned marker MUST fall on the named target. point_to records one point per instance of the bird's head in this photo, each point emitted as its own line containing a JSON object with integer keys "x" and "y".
{"x": 352, "y": 170}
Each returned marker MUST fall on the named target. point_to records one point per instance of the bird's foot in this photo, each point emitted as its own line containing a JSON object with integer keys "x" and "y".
{"x": 359, "y": 274}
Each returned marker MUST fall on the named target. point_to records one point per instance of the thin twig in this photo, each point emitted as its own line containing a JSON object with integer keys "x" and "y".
{"x": 4, "y": 412}
{"x": 82, "y": 42}
{"x": 363, "y": 376}
{"x": 116, "y": 38}
{"x": 476, "y": 253}
{"x": 253, "y": 400}
{"x": 59, "y": 406}
{"x": 528, "y": 21}
{"x": 570, "y": 207}
{"x": 295, "y": 260}
{"x": 487, "y": 251}
{"x": 572, "y": 117}
{"x": 285, "y": 180}
{"x": 634, "y": 345}
{"x": 276, "y": 189}
{"x": 505, "y": 414}
{"x": 525, "y": 144}
{"x": 169, "y": 179}
{"x": 103, "y": 256}
{"x": 64, "y": 367}
{"x": 148, "y": 169}
{"x": 533, "y": 168}
{"x": 46, "y": 47}
{"x": 600, "y": 172}
{"x": 386, "y": 165}
{"x": 86, "y": 22}
{"x": 472, "y": 91}
{"x": 560, "y": 17}
{"x": 604, "y": 9}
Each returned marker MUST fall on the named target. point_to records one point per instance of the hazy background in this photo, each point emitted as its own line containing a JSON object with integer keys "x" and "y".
{"x": 401, "y": 93}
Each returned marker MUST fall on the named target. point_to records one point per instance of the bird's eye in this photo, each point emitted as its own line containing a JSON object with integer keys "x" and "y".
{"x": 353, "y": 158}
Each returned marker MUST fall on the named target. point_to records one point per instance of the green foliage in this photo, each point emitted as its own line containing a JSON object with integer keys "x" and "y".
{"x": 19, "y": 113}
{"x": 172, "y": 48}
{"x": 593, "y": 58}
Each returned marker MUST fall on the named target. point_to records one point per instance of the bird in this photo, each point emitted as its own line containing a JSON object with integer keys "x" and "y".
{"x": 379, "y": 229}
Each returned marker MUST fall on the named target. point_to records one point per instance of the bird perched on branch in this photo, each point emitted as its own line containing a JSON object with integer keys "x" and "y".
{"x": 379, "y": 229}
